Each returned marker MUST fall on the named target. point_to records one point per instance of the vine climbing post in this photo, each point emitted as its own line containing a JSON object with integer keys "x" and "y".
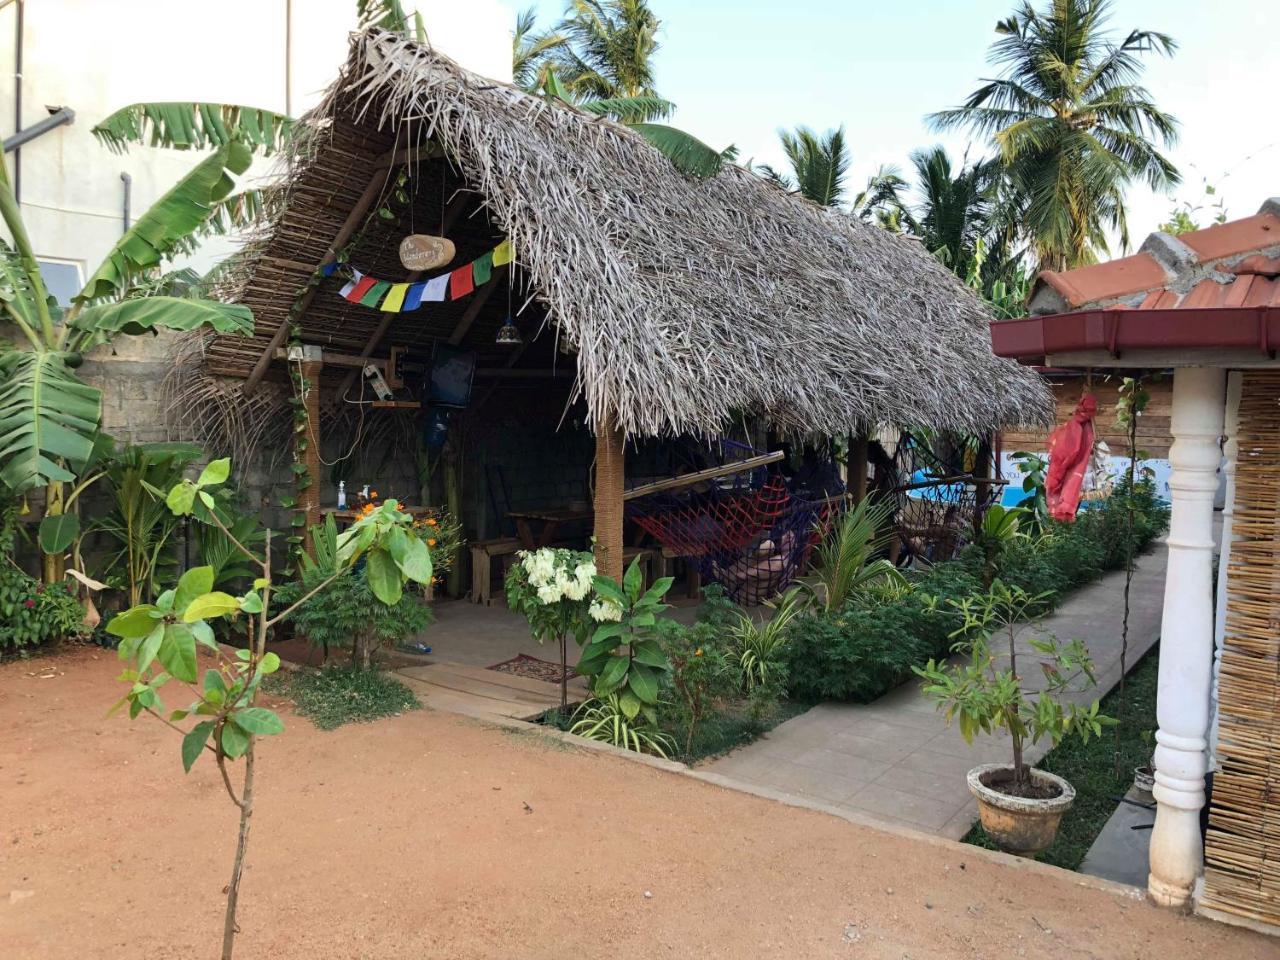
{"x": 1133, "y": 399}
{"x": 306, "y": 439}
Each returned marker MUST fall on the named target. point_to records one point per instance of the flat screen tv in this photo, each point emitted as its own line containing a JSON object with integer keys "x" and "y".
{"x": 452, "y": 370}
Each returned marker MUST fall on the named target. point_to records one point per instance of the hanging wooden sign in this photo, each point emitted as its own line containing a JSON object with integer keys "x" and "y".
{"x": 419, "y": 252}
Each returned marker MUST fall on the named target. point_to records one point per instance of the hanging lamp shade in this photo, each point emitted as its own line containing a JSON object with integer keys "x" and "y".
{"x": 508, "y": 334}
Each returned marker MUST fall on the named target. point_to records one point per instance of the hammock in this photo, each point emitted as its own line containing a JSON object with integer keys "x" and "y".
{"x": 939, "y": 503}
{"x": 753, "y": 542}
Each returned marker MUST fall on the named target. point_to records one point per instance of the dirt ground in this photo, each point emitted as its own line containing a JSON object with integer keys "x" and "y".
{"x": 429, "y": 836}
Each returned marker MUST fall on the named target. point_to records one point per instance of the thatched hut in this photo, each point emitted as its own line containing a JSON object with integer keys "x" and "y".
{"x": 651, "y": 303}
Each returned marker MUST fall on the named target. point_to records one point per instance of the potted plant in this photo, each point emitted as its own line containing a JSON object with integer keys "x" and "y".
{"x": 1020, "y": 806}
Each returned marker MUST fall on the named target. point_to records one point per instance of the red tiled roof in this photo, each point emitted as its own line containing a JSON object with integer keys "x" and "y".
{"x": 1217, "y": 288}
{"x": 1227, "y": 264}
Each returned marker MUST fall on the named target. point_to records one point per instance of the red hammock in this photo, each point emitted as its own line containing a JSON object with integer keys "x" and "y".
{"x": 752, "y": 542}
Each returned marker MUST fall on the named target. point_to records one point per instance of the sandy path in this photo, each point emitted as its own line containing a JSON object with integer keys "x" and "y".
{"x": 409, "y": 839}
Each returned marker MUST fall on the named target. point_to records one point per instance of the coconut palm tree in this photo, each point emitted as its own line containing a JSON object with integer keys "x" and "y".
{"x": 1072, "y": 125}
{"x": 532, "y": 51}
{"x": 819, "y": 163}
{"x": 609, "y": 49}
{"x": 599, "y": 58}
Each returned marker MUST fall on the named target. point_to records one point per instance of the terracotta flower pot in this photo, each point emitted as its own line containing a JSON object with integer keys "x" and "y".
{"x": 1020, "y": 825}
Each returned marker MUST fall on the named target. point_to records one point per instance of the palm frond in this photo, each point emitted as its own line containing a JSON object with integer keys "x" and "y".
{"x": 630, "y": 110}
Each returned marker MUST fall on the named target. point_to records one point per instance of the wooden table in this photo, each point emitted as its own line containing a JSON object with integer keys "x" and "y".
{"x": 351, "y": 516}
{"x": 547, "y": 523}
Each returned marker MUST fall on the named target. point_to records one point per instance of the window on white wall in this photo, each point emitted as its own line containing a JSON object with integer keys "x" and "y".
{"x": 62, "y": 278}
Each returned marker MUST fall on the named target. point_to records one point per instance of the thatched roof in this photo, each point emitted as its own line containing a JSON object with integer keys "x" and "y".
{"x": 686, "y": 302}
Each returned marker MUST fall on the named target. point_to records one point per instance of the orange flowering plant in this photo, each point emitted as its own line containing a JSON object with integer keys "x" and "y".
{"x": 442, "y": 533}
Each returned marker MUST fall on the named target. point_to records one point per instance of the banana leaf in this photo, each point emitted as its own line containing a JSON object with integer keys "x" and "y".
{"x": 150, "y": 314}
{"x": 171, "y": 219}
{"x": 188, "y": 125}
{"x": 689, "y": 154}
{"x": 47, "y": 415}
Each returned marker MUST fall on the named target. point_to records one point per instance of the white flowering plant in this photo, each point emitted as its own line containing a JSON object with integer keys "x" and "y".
{"x": 554, "y": 589}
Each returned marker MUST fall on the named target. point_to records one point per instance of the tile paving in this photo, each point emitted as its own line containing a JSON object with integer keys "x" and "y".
{"x": 895, "y": 760}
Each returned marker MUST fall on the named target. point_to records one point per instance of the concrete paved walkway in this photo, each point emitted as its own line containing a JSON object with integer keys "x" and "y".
{"x": 897, "y": 761}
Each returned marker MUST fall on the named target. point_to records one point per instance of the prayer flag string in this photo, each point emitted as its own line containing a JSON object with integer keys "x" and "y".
{"x": 391, "y": 297}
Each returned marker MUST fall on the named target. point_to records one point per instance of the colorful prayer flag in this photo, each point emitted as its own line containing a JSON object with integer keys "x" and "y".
{"x": 436, "y": 288}
{"x": 328, "y": 269}
{"x": 502, "y": 253}
{"x": 413, "y": 297}
{"x": 395, "y": 298}
{"x": 358, "y": 287}
{"x": 482, "y": 269}
{"x": 461, "y": 282}
{"x": 373, "y": 296}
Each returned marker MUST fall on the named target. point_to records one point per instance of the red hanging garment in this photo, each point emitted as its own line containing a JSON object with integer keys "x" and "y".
{"x": 1070, "y": 446}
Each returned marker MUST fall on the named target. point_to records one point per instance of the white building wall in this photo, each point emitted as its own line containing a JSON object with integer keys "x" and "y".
{"x": 96, "y": 56}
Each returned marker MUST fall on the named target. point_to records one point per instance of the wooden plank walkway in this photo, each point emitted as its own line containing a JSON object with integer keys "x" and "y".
{"x": 480, "y": 692}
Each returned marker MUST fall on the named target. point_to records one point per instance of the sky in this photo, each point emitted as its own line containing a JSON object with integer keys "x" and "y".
{"x": 739, "y": 70}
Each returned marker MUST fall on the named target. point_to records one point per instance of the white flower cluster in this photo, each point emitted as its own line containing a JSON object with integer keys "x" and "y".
{"x": 555, "y": 582}
{"x": 603, "y": 610}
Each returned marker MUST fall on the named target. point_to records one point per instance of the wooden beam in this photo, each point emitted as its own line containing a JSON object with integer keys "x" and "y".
{"x": 309, "y": 482}
{"x": 405, "y": 155}
{"x": 447, "y": 222}
{"x": 689, "y": 479}
{"x": 354, "y": 219}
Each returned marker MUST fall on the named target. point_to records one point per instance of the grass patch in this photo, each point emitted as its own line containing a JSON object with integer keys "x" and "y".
{"x": 340, "y": 694}
{"x": 729, "y": 726}
{"x": 1090, "y": 768}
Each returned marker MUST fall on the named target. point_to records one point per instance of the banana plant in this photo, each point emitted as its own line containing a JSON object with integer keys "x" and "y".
{"x": 49, "y": 417}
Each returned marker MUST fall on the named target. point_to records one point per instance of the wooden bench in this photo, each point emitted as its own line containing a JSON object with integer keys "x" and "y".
{"x": 483, "y": 553}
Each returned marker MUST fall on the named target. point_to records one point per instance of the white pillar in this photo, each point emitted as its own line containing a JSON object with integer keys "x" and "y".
{"x": 1230, "y": 450}
{"x": 1186, "y": 636}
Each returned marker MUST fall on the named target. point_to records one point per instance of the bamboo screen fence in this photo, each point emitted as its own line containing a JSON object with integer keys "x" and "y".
{"x": 1242, "y": 850}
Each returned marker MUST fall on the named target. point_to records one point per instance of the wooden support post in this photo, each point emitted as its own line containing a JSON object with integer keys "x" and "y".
{"x": 453, "y": 503}
{"x": 857, "y": 485}
{"x": 610, "y": 459}
{"x": 309, "y": 456}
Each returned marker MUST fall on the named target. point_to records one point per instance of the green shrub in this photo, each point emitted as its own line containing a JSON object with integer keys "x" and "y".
{"x": 869, "y": 646}
{"x": 31, "y": 613}
{"x": 860, "y": 652}
{"x": 336, "y": 695}
{"x": 348, "y": 615}
{"x": 701, "y": 671}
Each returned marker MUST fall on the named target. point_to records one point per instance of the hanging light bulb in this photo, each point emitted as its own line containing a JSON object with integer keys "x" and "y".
{"x": 508, "y": 334}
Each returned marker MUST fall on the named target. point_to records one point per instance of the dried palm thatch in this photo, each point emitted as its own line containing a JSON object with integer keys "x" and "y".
{"x": 686, "y": 302}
